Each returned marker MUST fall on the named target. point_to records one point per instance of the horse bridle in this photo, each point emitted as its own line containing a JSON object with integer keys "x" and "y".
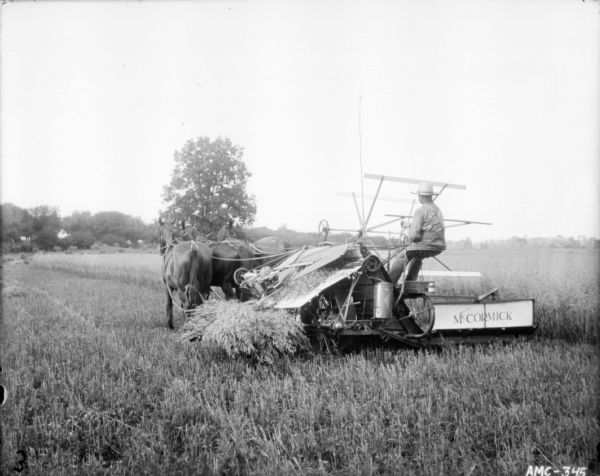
{"x": 168, "y": 243}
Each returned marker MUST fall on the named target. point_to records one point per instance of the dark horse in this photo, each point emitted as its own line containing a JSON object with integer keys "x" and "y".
{"x": 231, "y": 254}
{"x": 187, "y": 271}
{"x": 227, "y": 257}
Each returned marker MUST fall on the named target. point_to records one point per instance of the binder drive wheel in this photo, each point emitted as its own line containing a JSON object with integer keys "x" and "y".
{"x": 420, "y": 310}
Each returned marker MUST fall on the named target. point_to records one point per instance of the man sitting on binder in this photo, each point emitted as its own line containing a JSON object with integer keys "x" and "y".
{"x": 426, "y": 235}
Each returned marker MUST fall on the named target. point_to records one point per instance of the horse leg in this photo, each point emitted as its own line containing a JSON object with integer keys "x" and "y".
{"x": 228, "y": 289}
{"x": 169, "y": 310}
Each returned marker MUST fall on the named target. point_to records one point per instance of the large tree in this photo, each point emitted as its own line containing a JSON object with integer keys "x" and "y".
{"x": 208, "y": 186}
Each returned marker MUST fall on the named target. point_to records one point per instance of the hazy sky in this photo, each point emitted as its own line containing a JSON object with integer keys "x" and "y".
{"x": 501, "y": 96}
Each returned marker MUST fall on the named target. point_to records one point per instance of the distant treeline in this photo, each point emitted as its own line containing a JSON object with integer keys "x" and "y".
{"x": 42, "y": 228}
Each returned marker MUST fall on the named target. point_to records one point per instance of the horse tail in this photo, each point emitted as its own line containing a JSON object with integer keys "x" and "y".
{"x": 193, "y": 289}
{"x": 200, "y": 275}
{"x": 205, "y": 260}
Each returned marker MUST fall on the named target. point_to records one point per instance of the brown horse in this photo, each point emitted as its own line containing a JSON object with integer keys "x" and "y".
{"x": 227, "y": 257}
{"x": 187, "y": 271}
{"x": 231, "y": 254}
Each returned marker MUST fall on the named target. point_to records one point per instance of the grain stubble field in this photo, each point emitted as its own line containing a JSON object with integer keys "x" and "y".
{"x": 98, "y": 384}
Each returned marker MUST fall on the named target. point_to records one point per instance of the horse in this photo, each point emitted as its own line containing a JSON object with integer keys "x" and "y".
{"x": 231, "y": 254}
{"x": 186, "y": 272}
{"x": 270, "y": 251}
{"x": 227, "y": 257}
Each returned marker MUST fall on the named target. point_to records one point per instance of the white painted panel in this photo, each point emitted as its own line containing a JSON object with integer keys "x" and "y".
{"x": 492, "y": 315}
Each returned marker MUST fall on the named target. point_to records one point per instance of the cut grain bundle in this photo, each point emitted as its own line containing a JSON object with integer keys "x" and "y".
{"x": 241, "y": 330}
{"x": 200, "y": 318}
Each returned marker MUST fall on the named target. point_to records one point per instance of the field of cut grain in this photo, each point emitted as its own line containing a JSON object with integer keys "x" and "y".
{"x": 98, "y": 384}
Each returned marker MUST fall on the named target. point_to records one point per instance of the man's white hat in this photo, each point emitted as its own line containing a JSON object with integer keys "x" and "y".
{"x": 425, "y": 188}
